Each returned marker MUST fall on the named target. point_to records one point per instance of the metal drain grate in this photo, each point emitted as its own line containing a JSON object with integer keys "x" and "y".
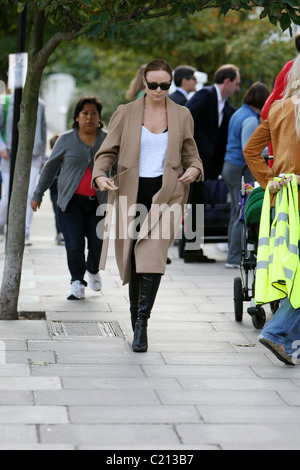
{"x": 76, "y": 328}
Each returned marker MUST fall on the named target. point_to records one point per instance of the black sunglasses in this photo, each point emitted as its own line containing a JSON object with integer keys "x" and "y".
{"x": 162, "y": 86}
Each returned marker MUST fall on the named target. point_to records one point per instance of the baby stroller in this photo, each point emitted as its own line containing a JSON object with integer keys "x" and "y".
{"x": 251, "y": 201}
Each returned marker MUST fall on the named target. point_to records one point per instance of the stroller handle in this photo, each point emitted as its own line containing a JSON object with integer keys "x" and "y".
{"x": 243, "y": 173}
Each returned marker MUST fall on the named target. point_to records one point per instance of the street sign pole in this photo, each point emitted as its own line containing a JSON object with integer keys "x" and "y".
{"x": 21, "y": 44}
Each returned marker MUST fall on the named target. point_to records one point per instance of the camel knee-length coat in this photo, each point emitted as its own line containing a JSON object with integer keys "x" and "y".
{"x": 123, "y": 143}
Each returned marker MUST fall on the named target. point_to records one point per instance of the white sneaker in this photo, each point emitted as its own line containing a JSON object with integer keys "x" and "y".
{"x": 77, "y": 291}
{"x": 59, "y": 240}
{"x": 28, "y": 241}
{"x": 232, "y": 266}
{"x": 2, "y": 236}
{"x": 94, "y": 281}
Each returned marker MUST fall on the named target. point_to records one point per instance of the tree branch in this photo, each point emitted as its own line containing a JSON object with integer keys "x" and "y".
{"x": 165, "y": 11}
{"x": 53, "y": 43}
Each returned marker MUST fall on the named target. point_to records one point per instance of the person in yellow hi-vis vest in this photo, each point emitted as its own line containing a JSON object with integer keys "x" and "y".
{"x": 278, "y": 263}
{"x": 282, "y": 334}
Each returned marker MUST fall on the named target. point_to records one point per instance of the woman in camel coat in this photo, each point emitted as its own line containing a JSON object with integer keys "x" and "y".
{"x": 152, "y": 138}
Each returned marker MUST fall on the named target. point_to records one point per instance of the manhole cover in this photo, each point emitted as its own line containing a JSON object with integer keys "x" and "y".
{"x": 77, "y": 328}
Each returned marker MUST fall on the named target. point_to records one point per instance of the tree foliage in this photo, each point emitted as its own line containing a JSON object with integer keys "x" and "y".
{"x": 115, "y": 18}
{"x": 205, "y": 40}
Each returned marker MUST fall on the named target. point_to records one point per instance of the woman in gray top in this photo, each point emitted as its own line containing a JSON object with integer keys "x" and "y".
{"x": 77, "y": 202}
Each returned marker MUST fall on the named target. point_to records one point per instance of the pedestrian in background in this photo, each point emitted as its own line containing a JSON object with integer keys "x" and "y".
{"x": 152, "y": 138}
{"x": 241, "y": 127}
{"x": 59, "y": 239}
{"x": 77, "y": 202}
{"x": 211, "y": 111}
{"x": 136, "y": 87}
{"x": 38, "y": 158}
{"x": 185, "y": 81}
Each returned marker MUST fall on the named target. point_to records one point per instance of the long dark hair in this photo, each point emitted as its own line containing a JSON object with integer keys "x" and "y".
{"x": 81, "y": 104}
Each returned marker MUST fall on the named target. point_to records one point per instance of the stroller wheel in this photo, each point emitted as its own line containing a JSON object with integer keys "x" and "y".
{"x": 259, "y": 319}
{"x": 238, "y": 299}
{"x": 274, "y": 306}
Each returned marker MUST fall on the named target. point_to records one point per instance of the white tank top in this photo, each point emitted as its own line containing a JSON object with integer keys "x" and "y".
{"x": 153, "y": 153}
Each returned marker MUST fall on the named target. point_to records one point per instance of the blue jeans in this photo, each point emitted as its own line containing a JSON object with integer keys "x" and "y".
{"x": 284, "y": 329}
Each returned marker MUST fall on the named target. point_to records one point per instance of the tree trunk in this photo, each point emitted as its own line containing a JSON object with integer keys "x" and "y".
{"x": 17, "y": 214}
{"x": 38, "y": 56}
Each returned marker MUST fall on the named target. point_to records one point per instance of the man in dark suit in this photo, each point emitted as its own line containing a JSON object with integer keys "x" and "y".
{"x": 211, "y": 112}
{"x": 185, "y": 81}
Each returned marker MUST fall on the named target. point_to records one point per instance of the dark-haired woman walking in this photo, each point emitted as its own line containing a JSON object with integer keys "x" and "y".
{"x": 77, "y": 201}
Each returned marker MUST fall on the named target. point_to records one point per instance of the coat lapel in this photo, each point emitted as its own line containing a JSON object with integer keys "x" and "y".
{"x": 131, "y": 158}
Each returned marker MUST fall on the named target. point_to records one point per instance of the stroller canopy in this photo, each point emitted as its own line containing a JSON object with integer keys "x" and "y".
{"x": 254, "y": 206}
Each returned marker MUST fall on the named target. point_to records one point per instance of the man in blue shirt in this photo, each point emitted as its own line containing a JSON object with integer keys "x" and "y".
{"x": 241, "y": 127}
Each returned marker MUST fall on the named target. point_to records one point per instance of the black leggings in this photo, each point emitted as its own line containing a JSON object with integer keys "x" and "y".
{"x": 148, "y": 187}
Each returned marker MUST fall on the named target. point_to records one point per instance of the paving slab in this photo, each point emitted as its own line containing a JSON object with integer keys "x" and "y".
{"x": 75, "y": 383}
{"x": 242, "y": 436}
{"x": 88, "y": 370}
{"x": 33, "y": 415}
{"x": 30, "y": 383}
{"x": 18, "y": 434}
{"x": 134, "y": 414}
{"x": 38, "y": 447}
{"x": 97, "y": 397}
{"x": 104, "y": 435}
{"x": 205, "y": 384}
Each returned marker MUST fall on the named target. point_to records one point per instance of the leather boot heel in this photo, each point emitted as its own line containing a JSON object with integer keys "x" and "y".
{"x": 140, "y": 342}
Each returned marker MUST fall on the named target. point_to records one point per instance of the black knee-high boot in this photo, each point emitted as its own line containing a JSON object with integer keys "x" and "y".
{"x": 148, "y": 291}
{"x": 134, "y": 295}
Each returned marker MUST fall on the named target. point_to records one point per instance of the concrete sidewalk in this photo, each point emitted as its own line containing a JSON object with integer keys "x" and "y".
{"x": 204, "y": 384}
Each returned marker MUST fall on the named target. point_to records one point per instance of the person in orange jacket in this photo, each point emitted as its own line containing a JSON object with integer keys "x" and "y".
{"x": 279, "y": 88}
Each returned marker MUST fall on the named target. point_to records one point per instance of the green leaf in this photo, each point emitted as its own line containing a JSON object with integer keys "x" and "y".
{"x": 263, "y": 14}
{"x": 42, "y": 4}
{"x": 292, "y": 3}
{"x": 104, "y": 18}
{"x": 273, "y": 20}
{"x": 285, "y": 21}
{"x": 225, "y": 7}
{"x": 246, "y": 6}
{"x": 96, "y": 30}
{"x": 88, "y": 3}
{"x": 111, "y": 32}
{"x": 174, "y": 11}
{"x": 20, "y": 7}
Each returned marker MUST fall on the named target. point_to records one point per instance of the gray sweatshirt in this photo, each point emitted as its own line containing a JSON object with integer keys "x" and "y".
{"x": 74, "y": 157}
{"x": 40, "y": 140}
